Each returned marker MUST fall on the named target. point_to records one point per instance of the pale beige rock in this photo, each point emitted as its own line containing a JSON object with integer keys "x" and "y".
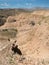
{"x": 33, "y": 41}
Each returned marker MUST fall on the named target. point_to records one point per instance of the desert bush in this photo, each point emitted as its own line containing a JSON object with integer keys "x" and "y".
{"x": 32, "y": 23}
{"x": 10, "y": 33}
{"x": 5, "y": 30}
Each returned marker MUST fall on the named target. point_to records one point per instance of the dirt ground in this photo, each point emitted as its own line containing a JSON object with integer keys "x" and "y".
{"x": 32, "y": 39}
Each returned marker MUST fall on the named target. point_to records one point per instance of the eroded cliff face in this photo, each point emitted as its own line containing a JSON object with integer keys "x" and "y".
{"x": 31, "y": 30}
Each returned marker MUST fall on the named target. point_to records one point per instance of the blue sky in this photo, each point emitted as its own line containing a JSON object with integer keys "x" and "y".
{"x": 23, "y": 3}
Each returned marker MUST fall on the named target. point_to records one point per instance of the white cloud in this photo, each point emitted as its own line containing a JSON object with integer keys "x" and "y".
{"x": 28, "y": 4}
{"x": 4, "y": 4}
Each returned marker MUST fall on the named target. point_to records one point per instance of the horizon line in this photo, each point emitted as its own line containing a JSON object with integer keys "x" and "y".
{"x": 25, "y": 8}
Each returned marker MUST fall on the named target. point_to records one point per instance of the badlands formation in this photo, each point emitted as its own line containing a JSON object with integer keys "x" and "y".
{"x": 31, "y": 31}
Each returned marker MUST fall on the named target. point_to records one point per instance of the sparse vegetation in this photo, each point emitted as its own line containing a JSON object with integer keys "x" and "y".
{"x": 32, "y": 23}
{"x": 32, "y": 38}
{"x": 39, "y": 22}
{"x": 10, "y": 33}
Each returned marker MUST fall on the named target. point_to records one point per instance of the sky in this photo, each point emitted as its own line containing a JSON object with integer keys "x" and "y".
{"x": 23, "y": 3}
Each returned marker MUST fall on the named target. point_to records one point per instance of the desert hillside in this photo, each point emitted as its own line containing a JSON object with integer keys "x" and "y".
{"x": 31, "y": 31}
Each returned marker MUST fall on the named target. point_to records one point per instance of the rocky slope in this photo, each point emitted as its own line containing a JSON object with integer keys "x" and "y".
{"x": 31, "y": 30}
